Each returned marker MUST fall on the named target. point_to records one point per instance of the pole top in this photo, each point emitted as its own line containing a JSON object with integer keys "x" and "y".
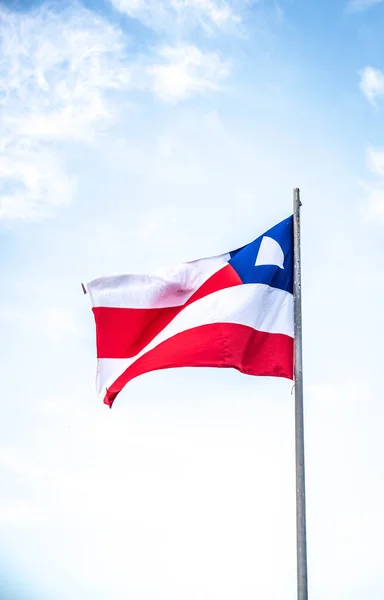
{"x": 296, "y": 197}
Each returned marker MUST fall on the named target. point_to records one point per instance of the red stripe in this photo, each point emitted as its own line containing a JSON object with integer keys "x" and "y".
{"x": 215, "y": 345}
{"x": 123, "y": 332}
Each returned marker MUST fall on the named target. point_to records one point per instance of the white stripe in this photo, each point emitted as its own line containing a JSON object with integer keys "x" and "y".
{"x": 171, "y": 286}
{"x": 256, "y": 305}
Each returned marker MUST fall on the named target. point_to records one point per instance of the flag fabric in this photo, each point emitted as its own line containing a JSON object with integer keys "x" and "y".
{"x": 233, "y": 310}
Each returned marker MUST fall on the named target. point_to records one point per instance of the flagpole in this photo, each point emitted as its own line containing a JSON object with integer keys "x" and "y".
{"x": 301, "y": 534}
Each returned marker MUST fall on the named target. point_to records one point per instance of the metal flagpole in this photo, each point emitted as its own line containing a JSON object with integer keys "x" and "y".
{"x": 301, "y": 534}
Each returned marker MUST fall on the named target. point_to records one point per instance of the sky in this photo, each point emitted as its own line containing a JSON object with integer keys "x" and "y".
{"x": 142, "y": 133}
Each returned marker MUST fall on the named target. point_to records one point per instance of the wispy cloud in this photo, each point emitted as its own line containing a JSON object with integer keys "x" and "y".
{"x": 56, "y": 72}
{"x": 372, "y": 83}
{"x": 361, "y": 5}
{"x": 60, "y": 65}
{"x": 372, "y": 86}
{"x": 185, "y": 70}
{"x": 375, "y": 160}
{"x": 62, "y": 79}
{"x": 160, "y": 15}
{"x": 375, "y": 188}
{"x": 33, "y": 180}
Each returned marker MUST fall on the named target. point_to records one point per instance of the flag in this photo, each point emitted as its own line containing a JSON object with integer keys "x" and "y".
{"x": 233, "y": 310}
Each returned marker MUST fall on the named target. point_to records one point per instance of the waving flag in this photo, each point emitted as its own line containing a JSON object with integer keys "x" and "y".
{"x": 233, "y": 310}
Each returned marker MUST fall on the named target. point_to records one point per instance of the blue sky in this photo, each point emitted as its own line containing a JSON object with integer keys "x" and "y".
{"x": 137, "y": 133}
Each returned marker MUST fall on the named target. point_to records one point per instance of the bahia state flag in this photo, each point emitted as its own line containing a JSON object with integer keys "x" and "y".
{"x": 233, "y": 310}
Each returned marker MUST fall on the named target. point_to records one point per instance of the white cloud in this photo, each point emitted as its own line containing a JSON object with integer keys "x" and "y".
{"x": 161, "y": 15}
{"x": 360, "y": 5}
{"x": 372, "y": 86}
{"x": 57, "y": 71}
{"x": 186, "y": 70}
{"x": 375, "y": 189}
{"x": 375, "y": 160}
{"x": 372, "y": 83}
{"x": 32, "y": 182}
{"x": 62, "y": 75}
